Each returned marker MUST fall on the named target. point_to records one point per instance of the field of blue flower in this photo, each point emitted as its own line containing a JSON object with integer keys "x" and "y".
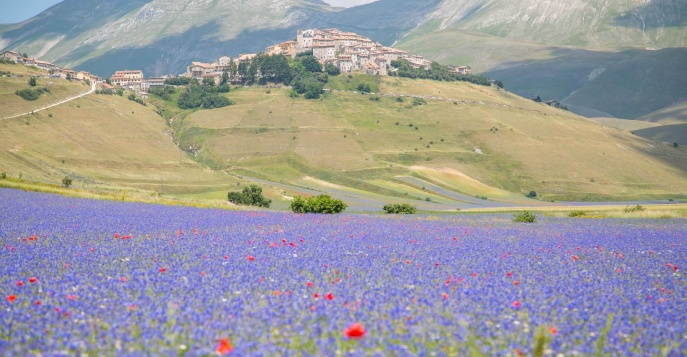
{"x": 108, "y": 278}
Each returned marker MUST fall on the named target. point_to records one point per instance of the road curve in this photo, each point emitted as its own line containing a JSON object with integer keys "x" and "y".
{"x": 54, "y": 104}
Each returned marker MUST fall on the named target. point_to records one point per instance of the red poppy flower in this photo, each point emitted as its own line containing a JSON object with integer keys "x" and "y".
{"x": 509, "y": 274}
{"x": 444, "y": 295}
{"x": 329, "y": 296}
{"x": 116, "y": 235}
{"x": 276, "y": 293}
{"x": 251, "y": 258}
{"x": 315, "y": 295}
{"x": 576, "y": 258}
{"x": 515, "y": 282}
{"x": 309, "y": 284}
{"x": 224, "y": 346}
{"x": 516, "y": 304}
{"x": 355, "y": 331}
{"x": 33, "y": 279}
{"x": 11, "y": 298}
{"x": 162, "y": 270}
{"x": 553, "y": 330}
{"x": 20, "y": 283}
{"x": 123, "y": 279}
{"x": 37, "y": 303}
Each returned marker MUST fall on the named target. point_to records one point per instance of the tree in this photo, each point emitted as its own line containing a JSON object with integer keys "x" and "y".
{"x": 532, "y": 194}
{"x": 320, "y": 204}
{"x": 32, "y": 81}
{"x": 676, "y": 145}
{"x": 311, "y": 64}
{"x": 66, "y": 181}
{"x": 402, "y": 208}
{"x": 332, "y": 70}
{"x": 208, "y": 81}
{"x": 251, "y": 195}
{"x": 109, "y": 81}
{"x": 225, "y": 78}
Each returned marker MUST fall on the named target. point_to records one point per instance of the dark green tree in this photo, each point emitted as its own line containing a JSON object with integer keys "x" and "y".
{"x": 32, "y": 81}
{"x": 332, "y": 70}
{"x": 310, "y": 64}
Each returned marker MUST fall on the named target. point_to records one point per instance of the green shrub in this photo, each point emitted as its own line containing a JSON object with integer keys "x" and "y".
{"x": 318, "y": 204}
{"x": 524, "y": 217}
{"x": 418, "y": 101}
{"x": 374, "y": 98}
{"x": 400, "y": 208}
{"x": 28, "y": 94}
{"x": 400, "y": 99}
{"x": 531, "y": 194}
{"x": 637, "y": 208}
{"x": 66, "y": 181}
{"x": 32, "y": 81}
{"x": 250, "y": 196}
{"x": 577, "y": 214}
{"x": 3, "y": 175}
{"x": 364, "y": 88}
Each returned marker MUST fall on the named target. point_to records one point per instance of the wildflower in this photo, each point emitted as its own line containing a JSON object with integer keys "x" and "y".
{"x": 355, "y": 331}
{"x": 11, "y": 298}
{"x": 576, "y": 258}
{"x": 224, "y": 346}
{"x": 309, "y": 284}
{"x": 516, "y": 304}
{"x": 20, "y": 283}
{"x": 329, "y": 296}
{"x": 515, "y": 282}
{"x": 163, "y": 269}
{"x": 553, "y": 330}
{"x": 33, "y": 279}
{"x": 444, "y": 295}
{"x": 251, "y": 258}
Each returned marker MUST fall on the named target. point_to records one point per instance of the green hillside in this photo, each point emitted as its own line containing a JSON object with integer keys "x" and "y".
{"x": 474, "y": 140}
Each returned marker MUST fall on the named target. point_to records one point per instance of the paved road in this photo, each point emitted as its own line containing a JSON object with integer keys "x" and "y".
{"x": 54, "y": 104}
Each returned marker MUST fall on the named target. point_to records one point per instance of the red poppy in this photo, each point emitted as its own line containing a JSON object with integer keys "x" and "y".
{"x": 355, "y": 331}
{"x": 444, "y": 295}
{"x": 509, "y": 274}
{"x": 116, "y": 235}
{"x": 315, "y": 295}
{"x": 162, "y": 270}
{"x": 515, "y": 282}
{"x": 224, "y": 346}
{"x": 20, "y": 283}
{"x": 11, "y": 298}
{"x": 576, "y": 258}
{"x": 276, "y": 293}
{"x": 123, "y": 279}
{"x": 309, "y": 284}
{"x": 33, "y": 279}
{"x": 37, "y": 303}
{"x": 553, "y": 330}
{"x": 516, "y": 304}
{"x": 329, "y": 296}
{"x": 251, "y": 258}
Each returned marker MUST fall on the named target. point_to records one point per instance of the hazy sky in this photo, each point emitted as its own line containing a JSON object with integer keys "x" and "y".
{"x": 13, "y": 11}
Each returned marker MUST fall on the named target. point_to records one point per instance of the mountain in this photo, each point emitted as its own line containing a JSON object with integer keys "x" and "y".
{"x": 159, "y": 36}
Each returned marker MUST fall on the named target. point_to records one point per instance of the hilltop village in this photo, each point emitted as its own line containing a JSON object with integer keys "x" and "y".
{"x": 347, "y": 51}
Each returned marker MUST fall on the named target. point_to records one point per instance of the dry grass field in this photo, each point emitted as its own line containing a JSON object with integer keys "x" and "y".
{"x": 371, "y": 149}
{"x": 11, "y": 104}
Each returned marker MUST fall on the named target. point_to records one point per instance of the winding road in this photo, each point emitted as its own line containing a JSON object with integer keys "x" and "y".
{"x": 54, "y": 104}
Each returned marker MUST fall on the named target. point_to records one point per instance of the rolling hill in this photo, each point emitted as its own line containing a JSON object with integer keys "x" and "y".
{"x": 473, "y": 140}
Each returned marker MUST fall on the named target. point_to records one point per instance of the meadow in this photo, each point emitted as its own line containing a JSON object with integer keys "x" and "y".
{"x": 109, "y": 278}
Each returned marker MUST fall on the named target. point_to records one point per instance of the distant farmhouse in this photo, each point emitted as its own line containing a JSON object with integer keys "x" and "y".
{"x": 53, "y": 70}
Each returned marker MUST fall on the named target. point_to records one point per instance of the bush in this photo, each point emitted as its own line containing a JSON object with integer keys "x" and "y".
{"x": 364, "y": 88}
{"x": 332, "y": 70}
{"x": 165, "y": 92}
{"x": 577, "y": 214}
{"x": 402, "y": 208}
{"x": 32, "y": 81}
{"x": 251, "y": 196}
{"x": 202, "y": 97}
{"x": 676, "y": 145}
{"x": 637, "y": 208}
{"x": 318, "y": 204}
{"x": 66, "y": 181}
{"x": 3, "y": 175}
{"x": 419, "y": 101}
{"x": 224, "y": 88}
{"x": 179, "y": 81}
{"x": 532, "y": 194}
{"x": 524, "y": 217}
{"x": 28, "y": 94}
{"x": 374, "y": 98}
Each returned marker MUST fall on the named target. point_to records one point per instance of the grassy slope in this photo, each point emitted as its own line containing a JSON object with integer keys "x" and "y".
{"x": 11, "y": 104}
{"x": 675, "y": 114}
{"x": 103, "y": 141}
{"x": 349, "y": 140}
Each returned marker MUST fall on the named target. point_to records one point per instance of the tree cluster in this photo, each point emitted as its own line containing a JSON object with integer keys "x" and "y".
{"x": 436, "y": 72}
{"x": 400, "y": 208}
{"x": 250, "y": 196}
{"x": 164, "y": 92}
{"x": 32, "y": 94}
{"x": 202, "y": 97}
{"x": 320, "y": 204}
